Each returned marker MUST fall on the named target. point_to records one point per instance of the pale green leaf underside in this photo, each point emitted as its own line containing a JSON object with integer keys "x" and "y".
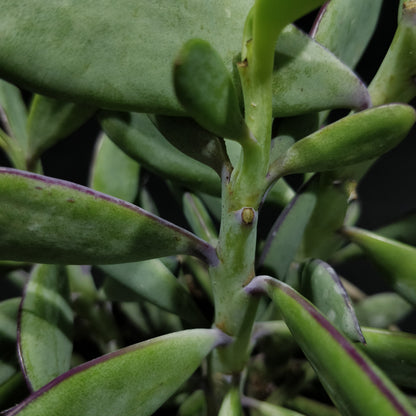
{"x": 136, "y": 380}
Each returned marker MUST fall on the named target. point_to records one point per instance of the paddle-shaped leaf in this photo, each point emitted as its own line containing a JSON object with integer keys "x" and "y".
{"x": 138, "y": 137}
{"x": 134, "y": 380}
{"x": 151, "y": 280}
{"x": 47, "y": 220}
{"x": 135, "y": 37}
{"x": 354, "y": 383}
{"x": 322, "y": 286}
{"x": 351, "y": 140}
{"x": 204, "y": 87}
{"x": 45, "y": 326}
{"x": 113, "y": 172}
{"x": 396, "y": 260}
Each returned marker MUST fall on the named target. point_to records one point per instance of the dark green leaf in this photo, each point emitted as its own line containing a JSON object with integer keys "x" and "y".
{"x": 47, "y": 220}
{"x": 45, "y": 326}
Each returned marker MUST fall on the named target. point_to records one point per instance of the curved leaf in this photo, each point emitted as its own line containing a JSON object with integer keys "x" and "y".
{"x": 113, "y": 172}
{"x": 45, "y": 326}
{"x": 354, "y": 383}
{"x": 307, "y": 77}
{"x": 47, "y": 220}
{"x": 134, "y": 380}
{"x": 151, "y": 280}
{"x": 396, "y": 260}
{"x": 231, "y": 405}
{"x": 267, "y": 409}
{"x": 351, "y": 140}
{"x": 138, "y": 137}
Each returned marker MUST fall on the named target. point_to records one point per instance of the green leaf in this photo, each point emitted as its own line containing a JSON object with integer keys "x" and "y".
{"x": 51, "y": 120}
{"x": 196, "y": 142}
{"x": 113, "y": 172}
{"x": 94, "y": 51}
{"x": 67, "y": 223}
{"x": 267, "y": 409}
{"x": 152, "y": 281}
{"x": 353, "y": 139}
{"x": 204, "y": 87}
{"x": 322, "y": 286}
{"x": 354, "y": 383}
{"x": 396, "y": 260}
{"x": 286, "y": 233}
{"x": 307, "y": 77}
{"x": 45, "y": 326}
{"x": 231, "y": 404}
{"x": 395, "y": 78}
{"x": 394, "y": 352}
{"x": 131, "y": 381}
{"x": 382, "y": 310}
{"x": 138, "y": 137}
{"x": 194, "y": 405}
{"x": 345, "y": 27}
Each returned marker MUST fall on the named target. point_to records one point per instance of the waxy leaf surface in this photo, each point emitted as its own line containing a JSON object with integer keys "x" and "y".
{"x": 47, "y": 220}
{"x": 139, "y": 138}
{"x": 231, "y": 404}
{"x": 354, "y": 383}
{"x": 396, "y": 260}
{"x": 45, "y": 326}
{"x": 151, "y": 280}
{"x": 135, "y": 380}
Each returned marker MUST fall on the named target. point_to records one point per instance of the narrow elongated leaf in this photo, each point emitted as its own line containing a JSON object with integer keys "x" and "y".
{"x": 231, "y": 405}
{"x": 307, "y": 77}
{"x": 351, "y": 140}
{"x": 322, "y": 286}
{"x": 71, "y": 224}
{"x": 396, "y": 260}
{"x": 134, "y": 380}
{"x": 51, "y": 120}
{"x": 346, "y": 26}
{"x": 382, "y": 310}
{"x": 267, "y": 409}
{"x": 204, "y": 87}
{"x": 138, "y": 137}
{"x": 113, "y": 172}
{"x": 152, "y": 281}
{"x": 394, "y": 352}
{"x": 353, "y": 382}
{"x": 45, "y": 326}
{"x": 134, "y": 37}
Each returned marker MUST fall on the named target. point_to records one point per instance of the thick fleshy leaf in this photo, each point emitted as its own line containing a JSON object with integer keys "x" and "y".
{"x": 138, "y": 137}
{"x": 382, "y": 310}
{"x": 307, "y": 77}
{"x": 113, "y": 172}
{"x": 196, "y": 142}
{"x": 45, "y": 326}
{"x": 322, "y": 286}
{"x": 346, "y": 26}
{"x": 231, "y": 405}
{"x": 134, "y": 380}
{"x": 152, "y": 281}
{"x": 47, "y": 220}
{"x": 286, "y": 233}
{"x": 396, "y": 260}
{"x": 354, "y": 383}
{"x": 394, "y": 352}
{"x": 94, "y": 51}
{"x": 395, "y": 79}
{"x": 51, "y": 120}
{"x": 268, "y": 409}
{"x": 204, "y": 87}
{"x": 353, "y": 139}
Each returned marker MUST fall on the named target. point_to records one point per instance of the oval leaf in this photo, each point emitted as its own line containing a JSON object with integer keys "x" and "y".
{"x": 47, "y": 220}
{"x": 138, "y": 137}
{"x": 354, "y": 383}
{"x": 351, "y": 140}
{"x": 134, "y": 37}
{"x": 204, "y": 87}
{"x": 45, "y": 326}
{"x": 396, "y": 260}
{"x": 134, "y": 380}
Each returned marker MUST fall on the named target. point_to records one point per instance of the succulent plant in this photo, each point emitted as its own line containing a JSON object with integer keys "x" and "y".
{"x": 227, "y": 108}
